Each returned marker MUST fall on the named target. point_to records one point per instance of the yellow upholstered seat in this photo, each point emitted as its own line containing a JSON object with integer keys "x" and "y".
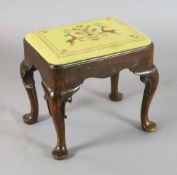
{"x": 87, "y": 40}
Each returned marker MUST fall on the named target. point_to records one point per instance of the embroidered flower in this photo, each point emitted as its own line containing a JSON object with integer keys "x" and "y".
{"x": 83, "y": 33}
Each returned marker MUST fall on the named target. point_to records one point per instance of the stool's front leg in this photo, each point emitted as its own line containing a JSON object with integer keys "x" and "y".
{"x": 150, "y": 78}
{"x": 115, "y": 95}
{"x": 56, "y": 104}
{"x": 27, "y": 76}
{"x": 56, "y": 107}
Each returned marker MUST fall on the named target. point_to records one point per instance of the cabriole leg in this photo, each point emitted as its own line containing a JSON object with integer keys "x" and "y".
{"x": 27, "y": 77}
{"x": 150, "y": 78}
{"x": 56, "y": 103}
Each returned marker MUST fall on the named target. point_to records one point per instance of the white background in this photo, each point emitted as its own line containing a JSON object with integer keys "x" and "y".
{"x": 103, "y": 137}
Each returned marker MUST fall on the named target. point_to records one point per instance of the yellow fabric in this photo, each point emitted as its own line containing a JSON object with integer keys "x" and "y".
{"x": 87, "y": 40}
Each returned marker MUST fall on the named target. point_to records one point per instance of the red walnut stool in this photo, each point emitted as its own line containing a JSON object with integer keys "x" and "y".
{"x": 67, "y": 55}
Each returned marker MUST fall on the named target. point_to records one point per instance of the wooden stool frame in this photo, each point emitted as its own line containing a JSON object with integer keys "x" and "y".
{"x": 62, "y": 81}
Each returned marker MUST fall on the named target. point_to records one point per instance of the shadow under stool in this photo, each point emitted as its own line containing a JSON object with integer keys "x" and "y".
{"x": 67, "y": 55}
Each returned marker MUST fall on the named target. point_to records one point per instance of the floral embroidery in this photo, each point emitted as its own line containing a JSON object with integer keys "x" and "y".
{"x": 83, "y": 33}
{"x": 100, "y": 37}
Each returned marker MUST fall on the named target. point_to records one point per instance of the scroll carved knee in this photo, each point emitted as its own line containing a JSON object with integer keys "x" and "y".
{"x": 26, "y": 71}
{"x": 150, "y": 78}
{"x": 115, "y": 95}
{"x": 56, "y": 104}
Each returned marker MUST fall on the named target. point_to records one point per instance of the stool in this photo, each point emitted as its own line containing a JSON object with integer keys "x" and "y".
{"x": 67, "y": 55}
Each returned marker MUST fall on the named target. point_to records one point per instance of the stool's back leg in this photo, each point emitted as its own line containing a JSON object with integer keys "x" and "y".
{"x": 27, "y": 77}
{"x": 115, "y": 95}
{"x": 150, "y": 78}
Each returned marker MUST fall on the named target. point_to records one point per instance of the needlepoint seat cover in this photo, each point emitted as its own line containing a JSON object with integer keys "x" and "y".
{"x": 87, "y": 40}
